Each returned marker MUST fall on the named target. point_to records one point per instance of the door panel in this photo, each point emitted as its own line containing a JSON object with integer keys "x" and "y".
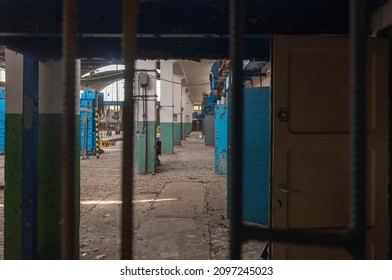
{"x": 316, "y": 103}
{"x": 326, "y": 170}
{"x": 311, "y": 141}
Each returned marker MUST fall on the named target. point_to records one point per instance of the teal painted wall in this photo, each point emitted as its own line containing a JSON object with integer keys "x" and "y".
{"x": 177, "y": 133}
{"x": 167, "y": 138}
{"x": 140, "y": 157}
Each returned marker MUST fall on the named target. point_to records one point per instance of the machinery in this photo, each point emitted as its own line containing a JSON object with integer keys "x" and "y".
{"x": 91, "y": 109}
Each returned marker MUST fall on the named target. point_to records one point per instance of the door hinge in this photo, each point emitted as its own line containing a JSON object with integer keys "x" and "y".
{"x": 283, "y": 115}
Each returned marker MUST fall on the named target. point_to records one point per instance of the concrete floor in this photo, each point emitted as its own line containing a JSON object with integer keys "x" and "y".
{"x": 180, "y": 212}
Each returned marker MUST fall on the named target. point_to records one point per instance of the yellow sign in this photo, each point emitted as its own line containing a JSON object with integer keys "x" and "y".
{"x": 106, "y": 143}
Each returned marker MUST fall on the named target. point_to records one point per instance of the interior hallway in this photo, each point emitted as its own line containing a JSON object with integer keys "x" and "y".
{"x": 180, "y": 212}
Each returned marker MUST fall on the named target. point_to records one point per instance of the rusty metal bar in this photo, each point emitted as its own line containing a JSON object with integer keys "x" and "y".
{"x": 358, "y": 59}
{"x": 129, "y": 25}
{"x": 69, "y": 53}
{"x": 236, "y": 101}
{"x": 338, "y": 239}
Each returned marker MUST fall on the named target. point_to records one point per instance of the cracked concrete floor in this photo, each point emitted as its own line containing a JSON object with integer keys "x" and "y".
{"x": 179, "y": 213}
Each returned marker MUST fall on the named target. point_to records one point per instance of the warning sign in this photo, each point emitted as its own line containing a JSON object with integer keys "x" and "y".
{"x": 106, "y": 143}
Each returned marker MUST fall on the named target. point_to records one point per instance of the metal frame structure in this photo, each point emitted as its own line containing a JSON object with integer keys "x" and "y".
{"x": 353, "y": 239}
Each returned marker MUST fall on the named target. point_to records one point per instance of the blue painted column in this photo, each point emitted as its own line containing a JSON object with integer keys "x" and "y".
{"x": 221, "y": 139}
{"x": 21, "y": 157}
{"x": 257, "y": 153}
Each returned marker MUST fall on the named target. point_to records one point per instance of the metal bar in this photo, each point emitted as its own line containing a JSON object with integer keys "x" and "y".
{"x": 129, "y": 25}
{"x": 390, "y": 149}
{"x": 237, "y": 27}
{"x": 326, "y": 239}
{"x": 358, "y": 59}
{"x": 96, "y": 118}
{"x": 69, "y": 45}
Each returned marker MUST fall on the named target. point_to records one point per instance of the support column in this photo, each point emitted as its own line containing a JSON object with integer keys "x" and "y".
{"x": 188, "y": 114}
{"x": 21, "y": 156}
{"x": 145, "y": 116}
{"x": 50, "y": 158}
{"x": 33, "y": 159}
{"x": 177, "y": 92}
{"x": 167, "y": 107}
{"x": 184, "y": 90}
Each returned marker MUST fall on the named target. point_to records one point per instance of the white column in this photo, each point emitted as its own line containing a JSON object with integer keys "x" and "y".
{"x": 167, "y": 107}
{"x": 166, "y": 111}
{"x": 177, "y": 91}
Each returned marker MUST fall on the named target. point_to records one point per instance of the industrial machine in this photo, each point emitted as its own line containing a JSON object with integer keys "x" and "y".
{"x": 91, "y": 109}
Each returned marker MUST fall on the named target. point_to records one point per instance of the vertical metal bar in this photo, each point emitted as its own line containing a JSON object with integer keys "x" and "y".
{"x": 129, "y": 25}
{"x": 237, "y": 26}
{"x": 358, "y": 59}
{"x": 96, "y": 118}
{"x": 69, "y": 44}
{"x": 390, "y": 149}
{"x": 30, "y": 158}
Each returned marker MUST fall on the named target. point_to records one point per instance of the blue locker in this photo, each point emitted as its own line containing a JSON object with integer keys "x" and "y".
{"x": 2, "y": 119}
{"x": 221, "y": 139}
{"x": 256, "y": 156}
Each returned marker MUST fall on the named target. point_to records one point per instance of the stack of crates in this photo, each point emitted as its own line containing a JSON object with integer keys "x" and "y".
{"x": 87, "y": 121}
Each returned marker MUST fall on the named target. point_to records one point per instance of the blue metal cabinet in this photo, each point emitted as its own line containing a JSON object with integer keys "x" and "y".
{"x": 256, "y": 156}
{"x": 2, "y": 119}
{"x": 221, "y": 139}
{"x": 87, "y": 126}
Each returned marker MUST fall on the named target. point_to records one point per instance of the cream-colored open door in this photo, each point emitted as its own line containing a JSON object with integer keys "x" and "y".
{"x": 311, "y": 126}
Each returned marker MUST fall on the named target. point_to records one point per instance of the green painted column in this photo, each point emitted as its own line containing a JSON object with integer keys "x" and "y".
{"x": 50, "y": 160}
{"x": 145, "y": 160}
{"x": 167, "y": 137}
{"x": 145, "y": 123}
{"x": 21, "y": 137}
{"x": 167, "y": 108}
{"x": 177, "y": 133}
{"x": 33, "y": 159}
{"x": 177, "y": 102}
{"x": 183, "y": 131}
